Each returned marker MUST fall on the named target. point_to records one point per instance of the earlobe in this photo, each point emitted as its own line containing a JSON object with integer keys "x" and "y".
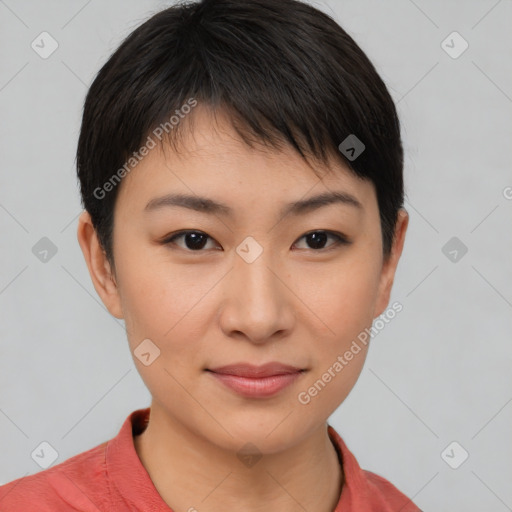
{"x": 98, "y": 265}
{"x": 389, "y": 266}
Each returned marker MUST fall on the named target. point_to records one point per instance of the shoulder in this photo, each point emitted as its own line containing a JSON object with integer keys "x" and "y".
{"x": 382, "y": 491}
{"x": 79, "y": 483}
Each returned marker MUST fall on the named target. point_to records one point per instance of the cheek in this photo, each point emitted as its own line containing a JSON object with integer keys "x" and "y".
{"x": 341, "y": 297}
{"x": 152, "y": 290}
{"x": 168, "y": 304}
{"x": 329, "y": 385}
{"x": 161, "y": 306}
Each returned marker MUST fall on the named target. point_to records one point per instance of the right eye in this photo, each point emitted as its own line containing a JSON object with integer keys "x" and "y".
{"x": 194, "y": 240}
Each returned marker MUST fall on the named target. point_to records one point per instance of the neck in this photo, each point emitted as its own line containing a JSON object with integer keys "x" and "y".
{"x": 189, "y": 472}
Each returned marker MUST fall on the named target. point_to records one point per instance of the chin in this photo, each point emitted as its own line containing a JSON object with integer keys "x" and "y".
{"x": 268, "y": 435}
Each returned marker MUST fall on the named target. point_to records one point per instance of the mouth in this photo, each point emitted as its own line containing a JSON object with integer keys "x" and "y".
{"x": 257, "y": 381}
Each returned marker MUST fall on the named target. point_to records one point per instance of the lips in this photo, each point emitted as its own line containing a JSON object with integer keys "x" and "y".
{"x": 254, "y": 372}
{"x": 259, "y": 382}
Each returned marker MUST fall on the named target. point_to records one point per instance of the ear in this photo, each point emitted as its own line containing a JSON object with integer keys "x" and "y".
{"x": 389, "y": 266}
{"x": 98, "y": 265}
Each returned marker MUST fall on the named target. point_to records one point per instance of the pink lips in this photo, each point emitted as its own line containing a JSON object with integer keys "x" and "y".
{"x": 257, "y": 381}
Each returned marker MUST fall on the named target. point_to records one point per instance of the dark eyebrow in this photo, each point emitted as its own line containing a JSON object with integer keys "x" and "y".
{"x": 318, "y": 201}
{"x": 206, "y": 205}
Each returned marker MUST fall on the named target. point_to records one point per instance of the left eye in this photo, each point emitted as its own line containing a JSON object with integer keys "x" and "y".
{"x": 318, "y": 238}
{"x": 197, "y": 240}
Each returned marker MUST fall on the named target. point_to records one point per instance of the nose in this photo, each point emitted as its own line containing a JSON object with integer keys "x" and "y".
{"x": 258, "y": 304}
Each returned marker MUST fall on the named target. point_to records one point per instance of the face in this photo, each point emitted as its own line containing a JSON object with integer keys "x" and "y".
{"x": 244, "y": 283}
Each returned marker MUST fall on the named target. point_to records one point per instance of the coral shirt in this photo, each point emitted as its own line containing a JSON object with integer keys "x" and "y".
{"x": 111, "y": 477}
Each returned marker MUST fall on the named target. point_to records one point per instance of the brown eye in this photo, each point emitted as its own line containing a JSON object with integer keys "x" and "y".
{"x": 193, "y": 240}
{"x": 196, "y": 241}
{"x": 318, "y": 239}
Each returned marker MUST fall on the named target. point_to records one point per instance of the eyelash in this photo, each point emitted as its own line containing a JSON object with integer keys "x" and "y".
{"x": 340, "y": 239}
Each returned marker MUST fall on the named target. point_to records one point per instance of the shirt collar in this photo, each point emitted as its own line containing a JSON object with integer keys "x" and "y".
{"x": 354, "y": 481}
{"x": 131, "y": 482}
{"x": 127, "y": 476}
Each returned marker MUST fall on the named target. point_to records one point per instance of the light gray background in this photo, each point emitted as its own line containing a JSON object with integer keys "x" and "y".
{"x": 439, "y": 372}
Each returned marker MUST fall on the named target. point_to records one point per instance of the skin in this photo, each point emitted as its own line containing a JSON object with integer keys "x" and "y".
{"x": 296, "y": 304}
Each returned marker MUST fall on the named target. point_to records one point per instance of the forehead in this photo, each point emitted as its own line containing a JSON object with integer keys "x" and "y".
{"x": 212, "y": 160}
